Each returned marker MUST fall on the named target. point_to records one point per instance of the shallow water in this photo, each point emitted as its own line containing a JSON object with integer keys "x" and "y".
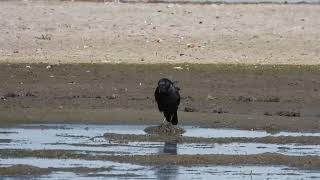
{"x": 130, "y": 171}
{"x": 79, "y": 129}
{"x": 89, "y": 139}
{"x": 217, "y": 133}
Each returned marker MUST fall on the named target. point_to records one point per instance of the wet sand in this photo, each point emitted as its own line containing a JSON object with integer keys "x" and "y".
{"x": 270, "y": 98}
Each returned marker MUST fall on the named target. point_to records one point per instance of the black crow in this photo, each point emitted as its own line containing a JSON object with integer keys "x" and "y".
{"x": 168, "y": 99}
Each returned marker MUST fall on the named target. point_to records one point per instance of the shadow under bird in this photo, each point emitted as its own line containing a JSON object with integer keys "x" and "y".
{"x": 168, "y": 99}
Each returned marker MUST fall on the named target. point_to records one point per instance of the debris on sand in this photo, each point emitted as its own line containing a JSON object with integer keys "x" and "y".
{"x": 30, "y": 94}
{"x": 178, "y": 68}
{"x": 288, "y": 113}
{"x": 219, "y": 111}
{"x": 165, "y": 129}
{"x": 190, "y": 109}
{"x": 209, "y": 97}
{"x": 245, "y": 99}
{"x": 11, "y": 95}
{"x": 47, "y": 37}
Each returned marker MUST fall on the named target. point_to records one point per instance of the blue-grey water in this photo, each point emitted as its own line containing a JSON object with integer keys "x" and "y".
{"x": 88, "y": 139}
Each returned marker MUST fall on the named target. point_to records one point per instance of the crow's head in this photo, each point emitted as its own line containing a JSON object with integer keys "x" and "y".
{"x": 164, "y": 85}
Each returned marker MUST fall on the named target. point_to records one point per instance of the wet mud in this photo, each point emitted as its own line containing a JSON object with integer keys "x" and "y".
{"x": 304, "y": 162}
{"x": 258, "y": 97}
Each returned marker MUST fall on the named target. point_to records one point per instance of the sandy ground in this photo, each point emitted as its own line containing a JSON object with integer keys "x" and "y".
{"x": 69, "y": 32}
{"x": 271, "y": 98}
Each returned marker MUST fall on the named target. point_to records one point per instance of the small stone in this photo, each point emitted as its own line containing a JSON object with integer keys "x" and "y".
{"x": 191, "y": 45}
{"x": 209, "y": 97}
{"x": 159, "y": 40}
{"x": 219, "y": 111}
{"x": 170, "y": 6}
{"x": 190, "y": 109}
{"x": 267, "y": 114}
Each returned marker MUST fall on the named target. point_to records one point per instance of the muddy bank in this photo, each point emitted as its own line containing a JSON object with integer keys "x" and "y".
{"x": 306, "y": 140}
{"x": 263, "y": 97}
{"x": 28, "y": 170}
{"x": 23, "y": 170}
{"x": 304, "y": 162}
{"x": 119, "y": 116}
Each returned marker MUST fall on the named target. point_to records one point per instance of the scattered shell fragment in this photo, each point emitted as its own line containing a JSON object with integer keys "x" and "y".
{"x": 178, "y": 68}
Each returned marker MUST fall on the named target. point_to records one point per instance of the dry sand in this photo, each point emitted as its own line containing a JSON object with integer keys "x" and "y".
{"x": 77, "y": 32}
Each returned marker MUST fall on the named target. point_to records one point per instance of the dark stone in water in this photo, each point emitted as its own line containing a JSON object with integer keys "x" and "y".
{"x": 165, "y": 130}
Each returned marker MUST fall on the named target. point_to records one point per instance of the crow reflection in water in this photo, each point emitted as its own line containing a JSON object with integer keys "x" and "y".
{"x": 168, "y": 171}
{"x": 168, "y": 99}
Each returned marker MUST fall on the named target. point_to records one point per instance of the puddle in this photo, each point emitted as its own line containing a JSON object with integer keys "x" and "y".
{"x": 88, "y": 139}
{"x": 130, "y": 171}
{"x": 114, "y": 167}
{"x": 248, "y": 148}
{"x": 218, "y": 133}
{"x": 191, "y": 131}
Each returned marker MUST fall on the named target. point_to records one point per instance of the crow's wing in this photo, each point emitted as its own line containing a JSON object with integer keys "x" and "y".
{"x": 157, "y": 97}
{"x": 175, "y": 94}
{"x": 178, "y": 100}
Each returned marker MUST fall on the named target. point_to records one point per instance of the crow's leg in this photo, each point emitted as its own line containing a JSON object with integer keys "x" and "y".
{"x": 171, "y": 118}
{"x": 164, "y": 119}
